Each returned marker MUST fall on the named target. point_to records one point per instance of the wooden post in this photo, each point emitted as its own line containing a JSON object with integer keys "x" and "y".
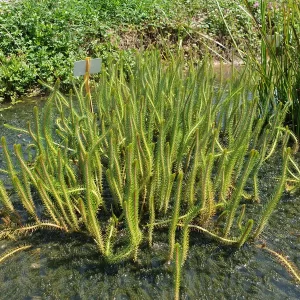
{"x": 87, "y": 81}
{"x": 85, "y": 68}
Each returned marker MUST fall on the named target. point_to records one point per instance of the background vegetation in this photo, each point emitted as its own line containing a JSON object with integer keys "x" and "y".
{"x": 41, "y": 40}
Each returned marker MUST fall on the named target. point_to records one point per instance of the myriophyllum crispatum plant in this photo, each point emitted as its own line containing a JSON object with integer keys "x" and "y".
{"x": 166, "y": 145}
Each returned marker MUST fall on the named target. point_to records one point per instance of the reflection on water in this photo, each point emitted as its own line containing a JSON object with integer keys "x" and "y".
{"x": 62, "y": 266}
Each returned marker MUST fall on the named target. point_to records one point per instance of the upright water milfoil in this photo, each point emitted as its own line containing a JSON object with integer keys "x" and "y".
{"x": 166, "y": 145}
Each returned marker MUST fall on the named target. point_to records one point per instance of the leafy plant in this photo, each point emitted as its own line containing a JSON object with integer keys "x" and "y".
{"x": 164, "y": 145}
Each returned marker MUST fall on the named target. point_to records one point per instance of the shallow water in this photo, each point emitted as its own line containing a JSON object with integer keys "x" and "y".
{"x": 17, "y": 115}
{"x": 62, "y": 266}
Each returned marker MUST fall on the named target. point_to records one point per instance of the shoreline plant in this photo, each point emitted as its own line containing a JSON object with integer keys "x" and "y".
{"x": 165, "y": 145}
{"x": 277, "y": 23}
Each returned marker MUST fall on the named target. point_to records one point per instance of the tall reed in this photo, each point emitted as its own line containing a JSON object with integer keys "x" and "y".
{"x": 278, "y": 25}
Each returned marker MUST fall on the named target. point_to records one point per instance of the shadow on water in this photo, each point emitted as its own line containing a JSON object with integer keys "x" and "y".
{"x": 62, "y": 266}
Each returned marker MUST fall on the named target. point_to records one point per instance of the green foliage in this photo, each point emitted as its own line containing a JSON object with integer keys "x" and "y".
{"x": 270, "y": 206}
{"x": 177, "y": 273}
{"x": 15, "y": 75}
{"x": 165, "y": 144}
{"x": 278, "y": 25}
{"x": 41, "y": 40}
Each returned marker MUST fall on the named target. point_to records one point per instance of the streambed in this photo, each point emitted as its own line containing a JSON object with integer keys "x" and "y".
{"x": 62, "y": 266}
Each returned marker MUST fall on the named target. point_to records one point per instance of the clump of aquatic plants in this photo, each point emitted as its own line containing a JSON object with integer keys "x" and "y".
{"x": 162, "y": 145}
